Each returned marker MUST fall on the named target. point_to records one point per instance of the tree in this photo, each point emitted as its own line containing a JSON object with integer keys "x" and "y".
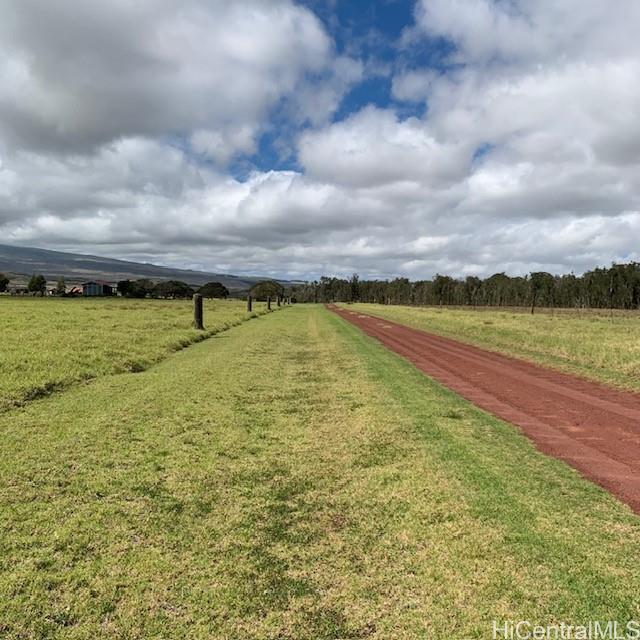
{"x": 616, "y": 287}
{"x": 442, "y": 289}
{"x": 37, "y": 284}
{"x": 399, "y": 291}
{"x": 267, "y": 288}
{"x": 172, "y": 289}
{"x": 124, "y": 287}
{"x": 135, "y": 289}
{"x": 496, "y": 287}
{"x": 472, "y": 286}
{"x": 4, "y": 281}
{"x": 61, "y": 287}
{"x": 541, "y": 286}
{"x": 354, "y": 287}
{"x": 213, "y": 290}
{"x": 141, "y": 288}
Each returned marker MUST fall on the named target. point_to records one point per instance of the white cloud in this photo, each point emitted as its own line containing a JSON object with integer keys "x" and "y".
{"x": 516, "y": 32}
{"x": 117, "y": 121}
{"x": 75, "y": 75}
{"x": 222, "y": 144}
{"x": 413, "y": 86}
{"x": 373, "y": 148}
{"x": 317, "y": 102}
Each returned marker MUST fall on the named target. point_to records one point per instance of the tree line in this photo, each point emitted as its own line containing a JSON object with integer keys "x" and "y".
{"x": 173, "y": 289}
{"x": 166, "y": 289}
{"x": 37, "y": 284}
{"x": 615, "y": 287}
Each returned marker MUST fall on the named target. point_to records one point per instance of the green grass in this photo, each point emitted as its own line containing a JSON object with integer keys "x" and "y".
{"x": 292, "y": 479}
{"x": 588, "y": 343}
{"x": 48, "y": 344}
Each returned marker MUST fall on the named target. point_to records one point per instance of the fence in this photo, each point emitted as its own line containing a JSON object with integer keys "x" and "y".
{"x": 198, "y": 308}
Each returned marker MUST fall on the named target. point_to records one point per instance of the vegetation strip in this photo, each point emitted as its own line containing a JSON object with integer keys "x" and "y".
{"x": 310, "y": 485}
{"x": 49, "y": 345}
{"x": 615, "y": 287}
{"x": 594, "y": 428}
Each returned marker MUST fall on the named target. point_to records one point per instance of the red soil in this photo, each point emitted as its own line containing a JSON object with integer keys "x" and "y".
{"x": 590, "y": 426}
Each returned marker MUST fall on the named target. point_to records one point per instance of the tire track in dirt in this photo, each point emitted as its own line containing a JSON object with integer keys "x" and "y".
{"x": 594, "y": 428}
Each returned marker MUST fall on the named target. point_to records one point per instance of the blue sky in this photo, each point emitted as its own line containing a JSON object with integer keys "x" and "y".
{"x": 372, "y": 32}
{"x": 297, "y": 139}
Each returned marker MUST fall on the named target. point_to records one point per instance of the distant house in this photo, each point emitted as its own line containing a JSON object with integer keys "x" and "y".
{"x": 18, "y": 290}
{"x": 97, "y": 288}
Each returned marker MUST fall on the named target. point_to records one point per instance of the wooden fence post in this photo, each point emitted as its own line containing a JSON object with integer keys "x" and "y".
{"x": 197, "y": 312}
{"x": 279, "y": 301}
{"x": 249, "y": 304}
{"x": 268, "y": 303}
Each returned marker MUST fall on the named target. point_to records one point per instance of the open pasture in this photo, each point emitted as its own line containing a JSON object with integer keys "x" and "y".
{"x": 314, "y": 486}
{"x": 48, "y": 344}
{"x": 593, "y": 344}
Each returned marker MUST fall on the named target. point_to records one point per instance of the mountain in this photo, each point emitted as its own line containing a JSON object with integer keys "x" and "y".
{"x": 20, "y": 263}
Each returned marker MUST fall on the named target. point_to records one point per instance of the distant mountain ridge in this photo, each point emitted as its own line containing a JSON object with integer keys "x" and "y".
{"x": 22, "y": 262}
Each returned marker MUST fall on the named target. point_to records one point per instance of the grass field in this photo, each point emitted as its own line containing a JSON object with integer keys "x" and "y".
{"x": 291, "y": 479}
{"x": 48, "y": 344}
{"x": 587, "y": 343}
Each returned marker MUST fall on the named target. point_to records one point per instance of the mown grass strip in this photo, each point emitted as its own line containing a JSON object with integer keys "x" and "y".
{"x": 49, "y": 344}
{"x": 290, "y": 478}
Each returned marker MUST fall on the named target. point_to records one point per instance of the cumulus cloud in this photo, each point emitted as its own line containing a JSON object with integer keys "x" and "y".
{"x": 77, "y": 75}
{"x": 413, "y": 86}
{"x": 521, "y": 31}
{"x": 373, "y": 148}
{"x": 119, "y": 122}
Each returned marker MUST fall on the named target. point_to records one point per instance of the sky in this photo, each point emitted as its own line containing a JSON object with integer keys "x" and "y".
{"x": 326, "y": 137}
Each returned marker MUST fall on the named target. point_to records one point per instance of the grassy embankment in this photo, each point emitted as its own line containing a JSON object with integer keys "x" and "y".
{"x": 48, "y": 344}
{"x": 290, "y": 478}
{"x": 586, "y": 343}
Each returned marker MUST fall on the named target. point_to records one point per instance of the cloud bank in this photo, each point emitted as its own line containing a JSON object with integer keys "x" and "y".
{"x": 139, "y": 131}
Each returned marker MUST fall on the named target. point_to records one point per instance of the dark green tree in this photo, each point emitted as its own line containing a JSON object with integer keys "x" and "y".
{"x": 399, "y": 291}
{"x": 61, "y": 287}
{"x": 172, "y": 289}
{"x": 261, "y": 290}
{"x": 124, "y": 287}
{"x": 37, "y": 284}
{"x": 214, "y": 290}
{"x": 4, "y": 283}
{"x": 472, "y": 286}
{"x": 443, "y": 289}
{"x": 542, "y": 284}
{"x": 136, "y": 289}
{"x": 497, "y": 288}
{"x": 354, "y": 287}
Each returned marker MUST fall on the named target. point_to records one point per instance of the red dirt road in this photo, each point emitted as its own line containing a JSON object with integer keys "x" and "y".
{"x": 592, "y": 427}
